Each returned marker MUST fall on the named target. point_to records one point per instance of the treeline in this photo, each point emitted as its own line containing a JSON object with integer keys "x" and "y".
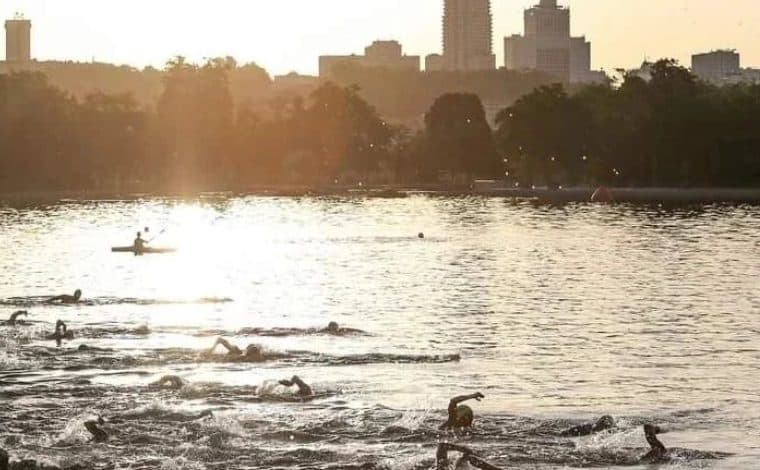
{"x": 662, "y": 127}
{"x": 248, "y": 82}
{"x": 668, "y": 129}
{"x": 196, "y": 137}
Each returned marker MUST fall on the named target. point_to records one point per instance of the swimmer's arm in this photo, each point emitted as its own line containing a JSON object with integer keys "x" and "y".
{"x": 457, "y": 400}
{"x": 98, "y": 434}
{"x": 442, "y": 454}
{"x": 15, "y": 315}
{"x": 303, "y": 387}
{"x": 223, "y": 342}
{"x": 480, "y": 463}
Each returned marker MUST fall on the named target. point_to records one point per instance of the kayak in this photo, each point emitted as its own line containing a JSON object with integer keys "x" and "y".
{"x": 145, "y": 251}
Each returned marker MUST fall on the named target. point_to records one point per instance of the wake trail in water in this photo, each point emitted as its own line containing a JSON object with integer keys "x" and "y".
{"x": 279, "y": 332}
{"x": 41, "y": 301}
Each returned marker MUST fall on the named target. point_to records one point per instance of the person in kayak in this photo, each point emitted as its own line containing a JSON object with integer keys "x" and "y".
{"x": 61, "y": 333}
{"x": 461, "y": 416}
{"x": 602, "y": 424}
{"x": 303, "y": 388}
{"x": 12, "y": 321}
{"x": 252, "y": 353}
{"x": 139, "y": 244}
{"x": 66, "y": 299}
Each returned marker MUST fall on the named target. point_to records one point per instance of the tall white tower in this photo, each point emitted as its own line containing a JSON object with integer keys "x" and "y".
{"x": 547, "y": 45}
{"x": 18, "y": 40}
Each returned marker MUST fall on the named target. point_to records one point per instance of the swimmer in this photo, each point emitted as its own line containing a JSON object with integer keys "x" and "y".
{"x": 442, "y": 458}
{"x": 253, "y": 353}
{"x": 14, "y": 317}
{"x": 171, "y": 382}
{"x": 334, "y": 329}
{"x": 143, "y": 330}
{"x": 461, "y": 416}
{"x": 658, "y": 453}
{"x": 61, "y": 333}
{"x": 303, "y": 388}
{"x": 66, "y": 299}
{"x": 98, "y": 434}
{"x": 602, "y": 424}
{"x": 4, "y": 459}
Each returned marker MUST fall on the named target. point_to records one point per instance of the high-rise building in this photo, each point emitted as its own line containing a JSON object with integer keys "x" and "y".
{"x": 467, "y": 35}
{"x": 18, "y": 40}
{"x": 717, "y": 66}
{"x": 547, "y": 45}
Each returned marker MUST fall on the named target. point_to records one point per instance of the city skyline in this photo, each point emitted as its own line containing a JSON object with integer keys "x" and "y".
{"x": 82, "y": 30}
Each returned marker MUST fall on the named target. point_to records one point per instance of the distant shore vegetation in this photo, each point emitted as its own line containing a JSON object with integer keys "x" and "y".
{"x": 663, "y": 129}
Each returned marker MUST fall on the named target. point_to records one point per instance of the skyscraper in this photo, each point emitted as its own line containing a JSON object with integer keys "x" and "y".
{"x": 547, "y": 45}
{"x": 467, "y": 35}
{"x": 18, "y": 42}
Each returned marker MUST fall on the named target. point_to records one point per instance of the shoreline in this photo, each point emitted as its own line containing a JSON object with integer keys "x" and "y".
{"x": 541, "y": 195}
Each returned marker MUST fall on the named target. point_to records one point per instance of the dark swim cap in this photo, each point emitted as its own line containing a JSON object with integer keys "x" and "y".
{"x": 463, "y": 417}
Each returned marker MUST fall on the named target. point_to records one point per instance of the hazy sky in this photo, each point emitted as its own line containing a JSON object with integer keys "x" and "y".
{"x": 285, "y": 35}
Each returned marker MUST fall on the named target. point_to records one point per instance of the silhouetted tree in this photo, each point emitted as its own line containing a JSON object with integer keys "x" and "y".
{"x": 545, "y": 133}
{"x": 669, "y": 130}
{"x": 344, "y": 132}
{"x": 459, "y": 139}
{"x": 196, "y": 116}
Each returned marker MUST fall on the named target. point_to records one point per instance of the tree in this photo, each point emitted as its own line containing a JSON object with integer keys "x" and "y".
{"x": 544, "y": 134}
{"x": 459, "y": 139}
{"x": 196, "y": 116}
{"x": 343, "y": 132}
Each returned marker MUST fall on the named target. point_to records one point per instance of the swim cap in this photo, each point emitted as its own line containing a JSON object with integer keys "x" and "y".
{"x": 463, "y": 417}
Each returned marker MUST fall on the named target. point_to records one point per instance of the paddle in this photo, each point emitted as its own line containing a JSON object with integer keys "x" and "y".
{"x": 159, "y": 234}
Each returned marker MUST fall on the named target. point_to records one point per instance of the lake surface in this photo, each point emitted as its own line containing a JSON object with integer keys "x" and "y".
{"x": 558, "y": 315}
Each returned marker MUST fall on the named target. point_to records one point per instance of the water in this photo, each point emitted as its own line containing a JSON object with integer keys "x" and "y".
{"x": 557, "y": 314}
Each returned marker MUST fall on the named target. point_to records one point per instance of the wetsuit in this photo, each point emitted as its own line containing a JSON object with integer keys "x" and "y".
{"x": 98, "y": 434}
{"x": 61, "y": 333}
{"x": 65, "y": 298}
{"x": 602, "y": 424}
{"x": 442, "y": 457}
